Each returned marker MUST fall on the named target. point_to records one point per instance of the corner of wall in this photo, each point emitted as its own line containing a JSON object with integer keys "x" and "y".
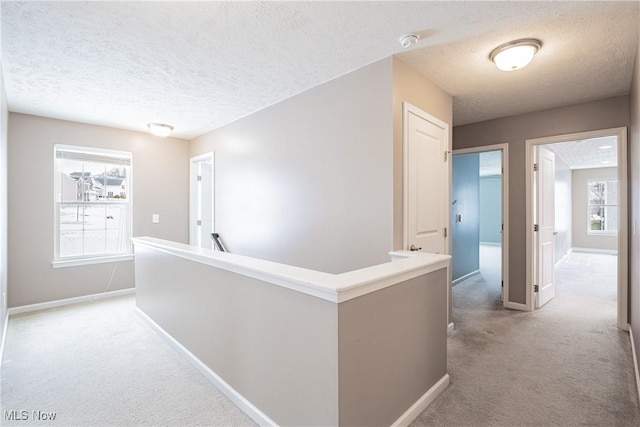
{"x": 3, "y": 214}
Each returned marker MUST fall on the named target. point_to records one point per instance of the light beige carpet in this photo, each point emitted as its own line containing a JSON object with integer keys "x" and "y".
{"x": 100, "y": 365}
{"x": 566, "y": 364}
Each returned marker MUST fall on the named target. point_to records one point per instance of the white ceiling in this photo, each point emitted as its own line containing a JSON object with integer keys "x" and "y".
{"x": 588, "y": 153}
{"x": 200, "y": 65}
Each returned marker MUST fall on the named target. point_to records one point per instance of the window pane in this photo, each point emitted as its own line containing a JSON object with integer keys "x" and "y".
{"x": 611, "y": 218}
{"x": 93, "y": 192}
{"x": 596, "y": 192}
{"x": 596, "y": 218}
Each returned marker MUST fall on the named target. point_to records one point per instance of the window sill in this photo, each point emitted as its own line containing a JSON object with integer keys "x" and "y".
{"x": 89, "y": 261}
{"x": 603, "y": 234}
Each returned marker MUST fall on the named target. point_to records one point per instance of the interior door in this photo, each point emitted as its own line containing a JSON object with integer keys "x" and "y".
{"x": 201, "y": 201}
{"x": 426, "y": 181}
{"x": 545, "y": 222}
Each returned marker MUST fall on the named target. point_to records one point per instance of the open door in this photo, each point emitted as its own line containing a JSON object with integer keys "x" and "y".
{"x": 201, "y": 201}
{"x": 426, "y": 181}
{"x": 544, "y": 226}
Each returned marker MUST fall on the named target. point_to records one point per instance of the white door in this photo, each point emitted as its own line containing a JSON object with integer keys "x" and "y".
{"x": 426, "y": 181}
{"x": 201, "y": 201}
{"x": 545, "y": 221}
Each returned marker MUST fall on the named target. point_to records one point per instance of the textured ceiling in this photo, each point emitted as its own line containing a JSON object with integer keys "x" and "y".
{"x": 200, "y": 65}
{"x": 588, "y": 153}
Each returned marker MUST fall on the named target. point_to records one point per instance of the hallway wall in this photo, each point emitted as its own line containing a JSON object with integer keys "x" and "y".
{"x": 515, "y": 130}
{"x": 634, "y": 203}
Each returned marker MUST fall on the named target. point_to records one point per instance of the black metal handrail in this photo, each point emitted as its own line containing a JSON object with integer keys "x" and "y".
{"x": 218, "y": 242}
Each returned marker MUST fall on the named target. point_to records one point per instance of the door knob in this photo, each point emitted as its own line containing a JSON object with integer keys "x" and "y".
{"x": 413, "y": 248}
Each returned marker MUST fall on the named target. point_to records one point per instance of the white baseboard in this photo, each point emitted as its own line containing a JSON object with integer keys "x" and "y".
{"x": 239, "y": 400}
{"x": 68, "y": 301}
{"x": 491, "y": 243}
{"x": 465, "y": 277}
{"x": 515, "y": 306}
{"x": 4, "y": 336}
{"x": 635, "y": 362}
{"x": 595, "y": 251}
{"x": 422, "y": 403}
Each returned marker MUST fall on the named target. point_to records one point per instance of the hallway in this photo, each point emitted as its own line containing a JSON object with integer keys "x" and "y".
{"x": 566, "y": 364}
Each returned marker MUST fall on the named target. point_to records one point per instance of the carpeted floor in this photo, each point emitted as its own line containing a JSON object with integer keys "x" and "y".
{"x": 100, "y": 365}
{"x": 563, "y": 365}
{"x": 566, "y": 364}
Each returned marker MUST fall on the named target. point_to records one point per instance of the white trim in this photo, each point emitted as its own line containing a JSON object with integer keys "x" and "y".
{"x": 490, "y": 243}
{"x": 450, "y": 328}
{"x": 193, "y": 196}
{"x": 465, "y": 277}
{"x": 331, "y": 287}
{"x": 239, "y": 400}
{"x": 422, "y": 403}
{"x": 515, "y": 306}
{"x": 4, "y": 336}
{"x": 623, "y": 236}
{"x": 504, "y": 147}
{"x": 595, "y": 251}
{"x": 59, "y": 303}
{"x": 90, "y": 261}
{"x": 635, "y": 360}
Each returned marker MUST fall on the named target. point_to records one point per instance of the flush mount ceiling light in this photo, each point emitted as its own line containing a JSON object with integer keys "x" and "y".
{"x": 516, "y": 54}
{"x": 160, "y": 129}
{"x": 409, "y": 40}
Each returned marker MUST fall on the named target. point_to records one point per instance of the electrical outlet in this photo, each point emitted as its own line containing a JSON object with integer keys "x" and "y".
{"x": 155, "y": 218}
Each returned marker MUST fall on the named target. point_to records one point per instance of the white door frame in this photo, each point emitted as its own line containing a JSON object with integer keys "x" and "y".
{"x": 505, "y": 213}
{"x": 194, "y": 197}
{"x": 623, "y": 286}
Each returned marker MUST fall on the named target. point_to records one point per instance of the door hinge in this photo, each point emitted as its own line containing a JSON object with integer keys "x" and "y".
{"x": 535, "y": 227}
{"x": 502, "y": 283}
{"x": 535, "y": 288}
{"x": 445, "y": 232}
{"x": 535, "y": 167}
{"x": 199, "y": 177}
{"x": 446, "y": 154}
{"x": 199, "y": 222}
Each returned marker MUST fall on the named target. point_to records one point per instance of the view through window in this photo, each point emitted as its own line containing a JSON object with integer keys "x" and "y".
{"x": 93, "y": 202}
{"x": 602, "y": 206}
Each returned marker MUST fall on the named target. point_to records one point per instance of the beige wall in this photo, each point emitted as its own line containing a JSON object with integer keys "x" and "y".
{"x": 634, "y": 203}
{"x": 160, "y": 185}
{"x": 603, "y": 114}
{"x": 4, "y": 116}
{"x": 308, "y": 181}
{"x": 412, "y": 87}
{"x": 580, "y": 238}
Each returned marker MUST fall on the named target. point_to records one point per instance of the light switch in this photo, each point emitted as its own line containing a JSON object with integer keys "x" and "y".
{"x": 155, "y": 218}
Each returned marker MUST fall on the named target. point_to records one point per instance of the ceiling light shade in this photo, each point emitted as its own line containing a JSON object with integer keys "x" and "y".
{"x": 160, "y": 129}
{"x": 409, "y": 40}
{"x": 516, "y": 54}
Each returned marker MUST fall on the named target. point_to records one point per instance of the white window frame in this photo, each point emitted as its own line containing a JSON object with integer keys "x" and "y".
{"x": 58, "y": 261}
{"x": 590, "y": 205}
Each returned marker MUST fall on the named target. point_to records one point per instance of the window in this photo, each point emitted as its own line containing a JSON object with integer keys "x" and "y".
{"x": 92, "y": 204}
{"x": 602, "y": 206}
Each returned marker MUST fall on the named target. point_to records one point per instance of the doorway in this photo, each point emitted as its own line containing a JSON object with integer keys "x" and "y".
{"x": 588, "y": 214}
{"x": 201, "y": 201}
{"x": 479, "y": 219}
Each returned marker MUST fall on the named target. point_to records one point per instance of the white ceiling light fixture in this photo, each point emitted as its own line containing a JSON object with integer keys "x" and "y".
{"x": 409, "y": 40}
{"x": 516, "y": 54}
{"x": 160, "y": 129}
